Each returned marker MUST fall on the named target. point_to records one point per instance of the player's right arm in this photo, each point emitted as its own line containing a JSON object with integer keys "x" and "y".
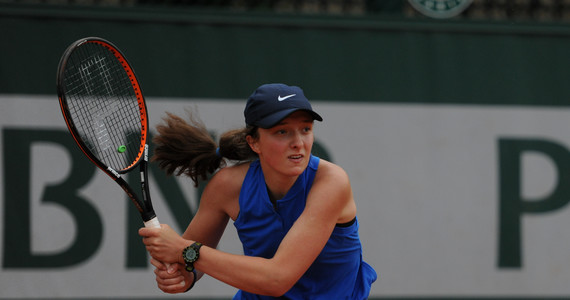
{"x": 219, "y": 202}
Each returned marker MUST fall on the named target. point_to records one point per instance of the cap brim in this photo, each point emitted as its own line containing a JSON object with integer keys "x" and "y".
{"x": 275, "y": 118}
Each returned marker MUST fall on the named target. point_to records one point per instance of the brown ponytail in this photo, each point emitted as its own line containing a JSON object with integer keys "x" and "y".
{"x": 187, "y": 148}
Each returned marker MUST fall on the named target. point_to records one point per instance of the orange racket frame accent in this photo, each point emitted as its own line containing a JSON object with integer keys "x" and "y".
{"x": 140, "y": 99}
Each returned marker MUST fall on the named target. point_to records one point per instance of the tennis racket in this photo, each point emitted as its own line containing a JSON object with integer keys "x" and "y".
{"x": 105, "y": 112}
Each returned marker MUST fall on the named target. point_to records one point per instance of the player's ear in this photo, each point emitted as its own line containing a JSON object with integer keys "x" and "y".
{"x": 253, "y": 143}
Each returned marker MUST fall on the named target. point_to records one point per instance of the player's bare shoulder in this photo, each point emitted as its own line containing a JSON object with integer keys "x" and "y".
{"x": 333, "y": 182}
{"x": 333, "y": 179}
{"x": 229, "y": 178}
{"x": 331, "y": 172}
{"x": 223, "y": 189}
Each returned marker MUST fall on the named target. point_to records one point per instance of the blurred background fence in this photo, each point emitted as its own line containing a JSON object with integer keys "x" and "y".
{"x": 480, "y": 10}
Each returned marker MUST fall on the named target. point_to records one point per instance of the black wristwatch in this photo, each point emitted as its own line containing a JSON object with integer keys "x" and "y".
{"x": 191, "y": 255}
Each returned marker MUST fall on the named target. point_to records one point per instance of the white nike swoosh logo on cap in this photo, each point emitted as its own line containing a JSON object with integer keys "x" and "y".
{"x": 279, "y": 98}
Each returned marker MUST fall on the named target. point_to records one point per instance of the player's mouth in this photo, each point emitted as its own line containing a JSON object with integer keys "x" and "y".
{"x": 296, "y": 157}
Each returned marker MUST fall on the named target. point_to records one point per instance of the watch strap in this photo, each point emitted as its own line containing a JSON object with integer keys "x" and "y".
{"x": 193, "y": 280}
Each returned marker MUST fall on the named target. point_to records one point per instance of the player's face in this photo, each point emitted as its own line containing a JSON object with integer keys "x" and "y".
{"x": 286, "y": 147}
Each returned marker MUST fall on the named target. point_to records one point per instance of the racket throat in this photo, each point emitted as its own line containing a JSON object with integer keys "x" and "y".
{"x": 113, "y": 172}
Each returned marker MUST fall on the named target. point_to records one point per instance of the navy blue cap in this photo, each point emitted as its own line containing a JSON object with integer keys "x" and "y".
{"x": 271, "y": 103}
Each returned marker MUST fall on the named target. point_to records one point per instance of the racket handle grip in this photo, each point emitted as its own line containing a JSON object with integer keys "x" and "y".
{"x": 153, "y": 223}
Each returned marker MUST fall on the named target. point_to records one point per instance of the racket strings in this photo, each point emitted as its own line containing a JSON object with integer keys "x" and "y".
{"x": 104, "y": 106}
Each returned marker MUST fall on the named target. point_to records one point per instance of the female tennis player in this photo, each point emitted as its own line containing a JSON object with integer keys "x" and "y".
{"x": 294, "y": 213}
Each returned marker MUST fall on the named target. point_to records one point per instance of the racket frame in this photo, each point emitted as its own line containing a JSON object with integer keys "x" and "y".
{"x": 145, "y": 206}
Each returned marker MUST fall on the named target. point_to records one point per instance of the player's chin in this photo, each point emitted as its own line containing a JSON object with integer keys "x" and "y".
{"x": 298, "y": 163}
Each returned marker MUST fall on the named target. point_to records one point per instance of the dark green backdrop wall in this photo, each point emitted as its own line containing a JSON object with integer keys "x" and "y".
{"x": 189, "y": 53}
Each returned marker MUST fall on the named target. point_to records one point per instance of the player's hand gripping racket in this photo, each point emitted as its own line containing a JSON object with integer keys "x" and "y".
{"x": 105, "y": 111}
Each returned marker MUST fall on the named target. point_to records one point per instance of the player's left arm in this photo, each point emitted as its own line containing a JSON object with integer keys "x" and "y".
{"x": 330, "y": 201}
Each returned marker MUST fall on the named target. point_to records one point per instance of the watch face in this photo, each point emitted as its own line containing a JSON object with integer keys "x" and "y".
{"x": 190, "y": 255}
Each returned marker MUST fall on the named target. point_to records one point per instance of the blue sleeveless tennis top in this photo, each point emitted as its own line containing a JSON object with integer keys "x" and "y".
{"x": 338, "y": 272}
